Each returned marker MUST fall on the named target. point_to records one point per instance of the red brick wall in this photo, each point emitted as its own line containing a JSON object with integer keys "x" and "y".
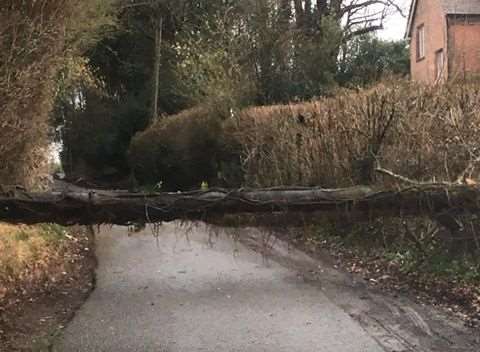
{"x": 430, "y": 14}
{"x": 464, "y": 43}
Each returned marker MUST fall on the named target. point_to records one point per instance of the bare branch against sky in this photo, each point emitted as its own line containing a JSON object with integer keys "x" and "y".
{"x": 394, "y": 26}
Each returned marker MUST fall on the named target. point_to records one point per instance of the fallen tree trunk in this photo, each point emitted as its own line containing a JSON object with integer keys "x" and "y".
{"x": 99, "y": 207}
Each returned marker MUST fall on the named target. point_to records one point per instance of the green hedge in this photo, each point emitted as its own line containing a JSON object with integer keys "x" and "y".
{"x": 185, "y": 150}
{"x": 424, "y": 133}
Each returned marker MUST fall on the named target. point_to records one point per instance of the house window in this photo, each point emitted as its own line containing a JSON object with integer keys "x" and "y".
{"x": 439, "y": 64}
{"x": 420, "y": 42}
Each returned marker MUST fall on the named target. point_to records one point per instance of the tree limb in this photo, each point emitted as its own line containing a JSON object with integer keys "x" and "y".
{"x": 127, "y": 208}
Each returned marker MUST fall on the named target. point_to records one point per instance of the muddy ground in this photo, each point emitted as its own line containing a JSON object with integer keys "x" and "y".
{"x": 34, "y": 316}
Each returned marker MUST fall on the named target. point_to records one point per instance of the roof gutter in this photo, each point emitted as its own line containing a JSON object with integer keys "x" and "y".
{"x": 413, "y": 7}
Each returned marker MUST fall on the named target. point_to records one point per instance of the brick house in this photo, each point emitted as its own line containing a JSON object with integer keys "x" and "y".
{"x": 444, "y": 39}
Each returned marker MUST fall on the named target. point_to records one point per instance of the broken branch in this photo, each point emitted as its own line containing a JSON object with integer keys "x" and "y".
{"x": 126, "y": 208}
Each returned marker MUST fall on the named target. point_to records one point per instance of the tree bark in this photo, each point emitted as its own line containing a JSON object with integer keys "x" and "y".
{"x": 123, "y": 208}
{"x": 299, "y": 13}
{"x": 157, "y": 65}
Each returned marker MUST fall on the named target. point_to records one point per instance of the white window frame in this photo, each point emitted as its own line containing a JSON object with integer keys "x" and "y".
{"x": 439, "y": 64}
{"x": 420, "y": 42}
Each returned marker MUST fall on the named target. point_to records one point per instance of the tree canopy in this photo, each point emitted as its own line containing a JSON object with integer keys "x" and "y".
{"x": 118, "y": 65}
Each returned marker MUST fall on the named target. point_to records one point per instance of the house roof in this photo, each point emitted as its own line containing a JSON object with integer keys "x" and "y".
{"x": 450, "y": 7}
{"x": 461, "y": 7}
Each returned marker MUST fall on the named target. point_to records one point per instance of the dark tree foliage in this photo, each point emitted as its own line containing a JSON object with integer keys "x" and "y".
{"x": 367, "y": 59}
{"x": 97, "y": 121}
{"x": 222, "y": 54}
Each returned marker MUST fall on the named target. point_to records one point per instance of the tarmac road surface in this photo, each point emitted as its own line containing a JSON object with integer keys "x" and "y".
{"x": 197, "y": 289}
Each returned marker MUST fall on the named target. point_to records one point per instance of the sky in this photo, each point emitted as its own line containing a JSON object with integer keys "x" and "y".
{"x": 394, "y": 27}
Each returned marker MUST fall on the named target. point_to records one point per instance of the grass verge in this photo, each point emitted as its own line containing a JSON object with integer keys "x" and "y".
{"x": 46, "y": 273}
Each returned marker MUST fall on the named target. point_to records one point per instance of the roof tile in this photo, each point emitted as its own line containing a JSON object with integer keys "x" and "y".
{"x": 461, "y": 7}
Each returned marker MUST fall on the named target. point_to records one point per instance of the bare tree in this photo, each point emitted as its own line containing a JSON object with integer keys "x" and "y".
{"x": 356, "y": 16}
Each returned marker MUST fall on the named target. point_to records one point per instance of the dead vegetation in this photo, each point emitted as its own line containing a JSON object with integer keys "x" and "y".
{"x": 28, "y": 253}
{"x": 30, "y": 45}
{"x": 393, "y": 135}
{"x": 426, "y": 134}
{"x": 46, "y": 272}
{"x": 423, "y": 133}
{"x": 36, "y": 38}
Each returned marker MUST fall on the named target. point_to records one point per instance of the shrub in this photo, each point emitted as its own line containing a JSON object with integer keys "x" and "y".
{"x": 425, "y": 133}
{"x": 35, "y": 38}
{"x": 182, "y": 151}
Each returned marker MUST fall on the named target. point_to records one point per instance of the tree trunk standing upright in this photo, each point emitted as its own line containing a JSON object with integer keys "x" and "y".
{"x": 156, "y": 16}
{"x": 299, "y": 13}
{"x": 157, "y": 64}
{"x": 284, "y": 26}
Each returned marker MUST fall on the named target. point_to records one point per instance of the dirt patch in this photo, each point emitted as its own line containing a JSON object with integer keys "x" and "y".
{"x": 459, "y": 298}
{"x": 35, "y": 311}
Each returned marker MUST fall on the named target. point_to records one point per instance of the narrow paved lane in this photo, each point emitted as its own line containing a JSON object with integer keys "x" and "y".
{"x": 190, "y": 290}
